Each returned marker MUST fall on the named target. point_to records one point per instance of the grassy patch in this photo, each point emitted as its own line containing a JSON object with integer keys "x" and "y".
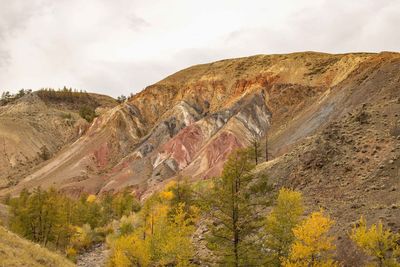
{"x": 15, "y": 251}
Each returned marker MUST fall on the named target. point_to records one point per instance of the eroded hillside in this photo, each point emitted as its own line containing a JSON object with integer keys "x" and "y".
{"x": 332, "y": 123}
{"x": 189, "y": 122}
{"x": 35, "y": 127}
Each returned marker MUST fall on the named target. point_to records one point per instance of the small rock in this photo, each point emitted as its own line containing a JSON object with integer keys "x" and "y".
{"x": 356, "y": 206}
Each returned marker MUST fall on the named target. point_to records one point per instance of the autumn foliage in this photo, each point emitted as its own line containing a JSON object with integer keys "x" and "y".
{"x": 161, "y": 232}
{"x": 247, "y": 224}
{"x": 312, "y": 246}
{"x": 54, "y": 220}
{"x": 278, "y": 229}
{"x": 377, "y": 242}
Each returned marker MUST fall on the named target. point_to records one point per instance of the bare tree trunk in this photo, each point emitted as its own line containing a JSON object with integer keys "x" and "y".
{"x": 235, "y": 220}
{"x": 256, "y": 150}
{"x": 266, "y": 146}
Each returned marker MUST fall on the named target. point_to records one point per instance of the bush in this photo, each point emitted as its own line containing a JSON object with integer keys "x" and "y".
{"x": 126, "y": 226}
{"x": 67, "y": 116}
{"x": 87, "y": 113}
{"x": 71, "y": 254}
{"x": 83, "y": 237}
{"x": 44, "y": 153}
{"x": 121, "y": 99}
{"x": 123, "y": 204}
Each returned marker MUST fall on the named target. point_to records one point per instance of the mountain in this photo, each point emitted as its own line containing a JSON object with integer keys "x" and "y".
{"x": 331, "y": 123}
{"x": 188, "y": 123}
{"x": 36, "y": 126}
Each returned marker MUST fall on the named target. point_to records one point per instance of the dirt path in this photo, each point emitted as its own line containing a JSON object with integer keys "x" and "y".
{"x": 96, "y": 257}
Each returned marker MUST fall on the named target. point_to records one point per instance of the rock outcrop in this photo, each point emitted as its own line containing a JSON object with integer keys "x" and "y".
{"x": 332, "y": 123}
{"x": 189, "y": 122}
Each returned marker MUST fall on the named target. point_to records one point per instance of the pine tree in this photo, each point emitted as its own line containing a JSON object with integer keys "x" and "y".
{"x": 124, "y": 204}
{"x": 182, "y": 194}
{"x": 256, "y": 149}
{"x": 233, "y": 204}
{"x": 177, "y": 247}
{"x": 266, "y": 146}
{"x": 36, "y": 216}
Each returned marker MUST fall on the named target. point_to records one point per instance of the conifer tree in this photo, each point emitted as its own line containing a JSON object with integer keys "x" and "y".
{"x": 182, "y": 195}
{"x": 381, "y": 244}
{"x": 266, "y": 146}
{"x": 256, "y": 149}
{"x": 313, "y": 246}
{"x": 233, "y": 204}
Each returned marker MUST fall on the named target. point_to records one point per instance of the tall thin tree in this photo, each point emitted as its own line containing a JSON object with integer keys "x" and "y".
{"x": 233, "y": 204}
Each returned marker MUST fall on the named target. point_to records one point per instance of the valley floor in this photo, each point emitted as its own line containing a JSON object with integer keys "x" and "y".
{"x": 96, "y": 257}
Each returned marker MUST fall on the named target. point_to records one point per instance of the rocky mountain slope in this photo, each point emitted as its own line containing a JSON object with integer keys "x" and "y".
{"x": 189, "y": 122}
{"x": 332, "y": 124}
{"x": 34, "y": 128}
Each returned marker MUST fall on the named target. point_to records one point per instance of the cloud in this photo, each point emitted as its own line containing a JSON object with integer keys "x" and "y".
{"x": 4, "y": 58}
{"x": 327, "y": 26}
{"x": 120, "y": 47}
{"x": 14, "y": 16}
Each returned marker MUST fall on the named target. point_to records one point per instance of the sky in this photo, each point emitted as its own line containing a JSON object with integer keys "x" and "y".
{"x": 119, "y": 47}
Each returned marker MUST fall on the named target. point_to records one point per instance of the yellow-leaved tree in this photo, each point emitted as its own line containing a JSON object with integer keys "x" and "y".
{"x": 130, "y": 251}
{"x": 159, "y": 238}
{"x": 312, "y": 246}
{"x": 377, "y": 242}
{"x": 177, "y": 248}
{"x": 278, "y": 231}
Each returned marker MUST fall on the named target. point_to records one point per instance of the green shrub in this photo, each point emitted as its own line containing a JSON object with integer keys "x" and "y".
{"x": 87, "y": 113}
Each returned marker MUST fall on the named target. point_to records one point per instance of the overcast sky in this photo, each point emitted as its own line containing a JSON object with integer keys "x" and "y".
{"x": 120, "y": 46}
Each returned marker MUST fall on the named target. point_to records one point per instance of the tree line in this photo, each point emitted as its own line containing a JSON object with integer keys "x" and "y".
{"x": 66, "y": 95}
{"x": 75, "y": 99}
{"x": 240, "y": 232}
{"x": 7, "y": 97}
{"x": 79, "y": 100}
{"x": 247, "y": 222}
{"x": 51, "y": 218}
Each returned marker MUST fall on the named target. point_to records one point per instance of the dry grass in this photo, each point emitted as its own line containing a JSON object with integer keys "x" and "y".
{"x": 15, "y": 251}
{"x": 3, "y": 214}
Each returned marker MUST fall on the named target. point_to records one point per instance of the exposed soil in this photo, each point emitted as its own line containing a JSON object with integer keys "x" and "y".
{"x": 331, "y": 121}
